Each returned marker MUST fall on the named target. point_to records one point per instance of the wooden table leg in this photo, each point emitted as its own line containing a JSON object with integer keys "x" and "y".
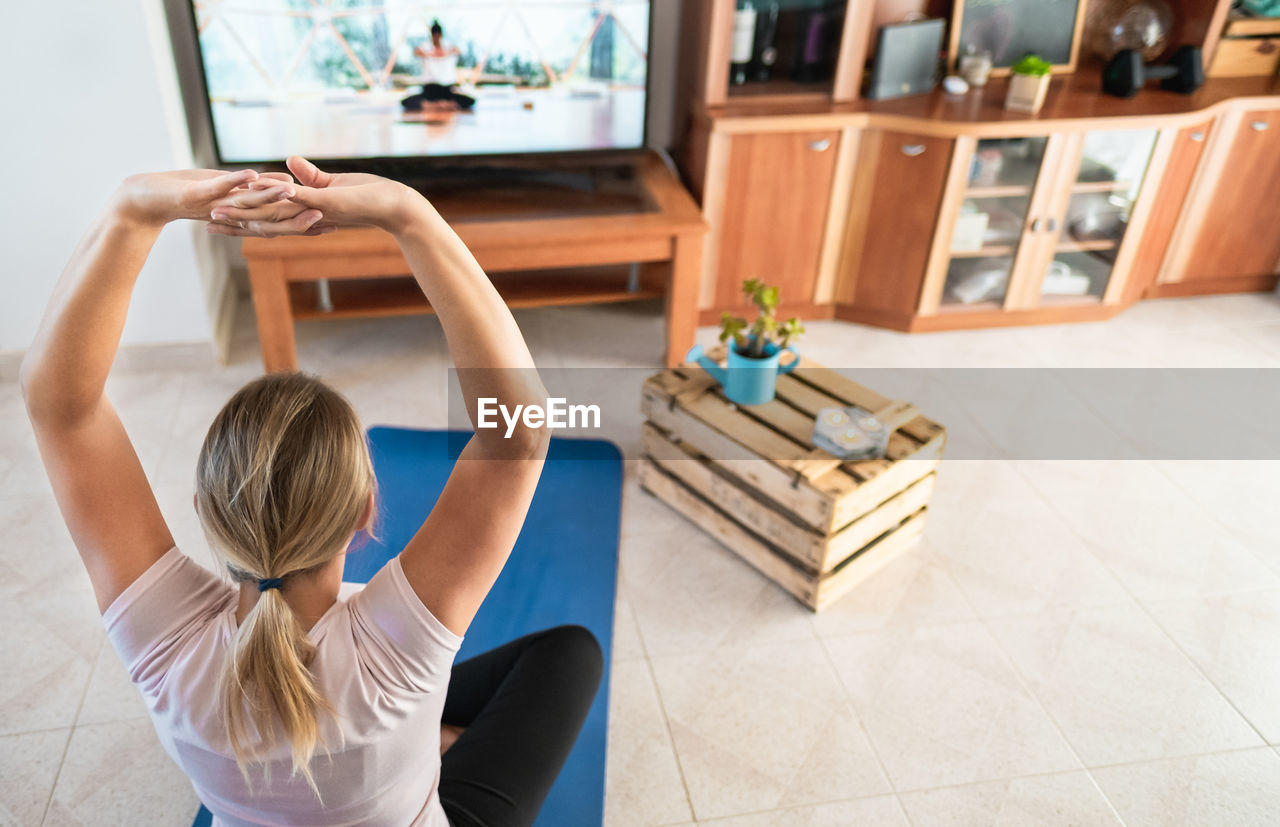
{"x": 682, "y": 296}
{"x": 275, "y": 316}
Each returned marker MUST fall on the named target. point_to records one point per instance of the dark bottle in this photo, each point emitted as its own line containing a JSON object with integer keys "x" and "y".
{"x": 742, "y": 47}
{"x": 766, "y": 43}
{"x": 813, "y": 48}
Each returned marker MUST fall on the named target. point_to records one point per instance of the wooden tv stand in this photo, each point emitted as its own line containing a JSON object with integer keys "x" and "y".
{"x": 637, "y": 235}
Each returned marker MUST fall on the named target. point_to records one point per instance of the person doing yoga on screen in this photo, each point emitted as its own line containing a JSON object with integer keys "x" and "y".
{"x": 281, "y": 702}
{"x": 439, "y": 76}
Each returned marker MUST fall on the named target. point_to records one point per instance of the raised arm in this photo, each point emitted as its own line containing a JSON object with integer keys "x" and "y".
{"x": 100, "y": 486}
{"x": 458, "y": 553}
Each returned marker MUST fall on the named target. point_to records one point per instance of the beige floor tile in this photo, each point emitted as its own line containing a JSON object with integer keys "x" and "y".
{"x": 1233, "y": 639}
{"x": 158, "y": 390}
{"x": 49, "y": 644}
{"x": 1241, "y": 496}
{"x": 1240, "y": 789}
{"x": 1118, "y": 688}
{"x": 1008, "y": 550}
{"x": 912, "y": 589}
{"x": 692, "y": 594}
{"x": 626, "y": 635}
{"x": 643, "y": 785}
{"x": 880, "y": 811}
{"x": 764, "y": 727}
{"x": 942, "y": 706}
{"x": 118, "y": 773}
{"x": 21, "y": 473}
{"x": 642, "y": 513}
{"x": 28, "y": 766}
{"x": 1153, "y": 537}
{"x": 1068, "y": 799}
{"x": 37, "y": 554}
{"x": 110, "y": 695}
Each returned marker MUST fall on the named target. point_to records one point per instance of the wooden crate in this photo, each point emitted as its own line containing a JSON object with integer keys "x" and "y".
{"x": 1249, "y": 46}
{"x": 750, "y": 476}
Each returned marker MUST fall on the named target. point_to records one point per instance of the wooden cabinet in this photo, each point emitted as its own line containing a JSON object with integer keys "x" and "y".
{"x": 895, "y": 203}
{"x": 940, "y": 211}
{"x": 1179, "y": 173}
{"x": 775, "y": 190}
{"x": 1044, "y": 224}
{"x": 794, "y": 49}
{"x": 1231, "y": 227}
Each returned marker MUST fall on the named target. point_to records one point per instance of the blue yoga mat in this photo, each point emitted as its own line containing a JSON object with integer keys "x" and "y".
{"x": 563, "y": 570}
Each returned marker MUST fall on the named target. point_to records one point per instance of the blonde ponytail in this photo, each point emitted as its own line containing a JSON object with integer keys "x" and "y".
{"x": 282, "y": 484}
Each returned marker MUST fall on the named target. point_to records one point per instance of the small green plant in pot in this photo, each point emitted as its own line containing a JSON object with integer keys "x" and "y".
{"x": 1028, "y": 84}
{"x": 755, "y": 348}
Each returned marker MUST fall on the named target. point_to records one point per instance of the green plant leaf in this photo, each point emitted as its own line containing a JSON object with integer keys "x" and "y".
{"x": 1031, "y": 64}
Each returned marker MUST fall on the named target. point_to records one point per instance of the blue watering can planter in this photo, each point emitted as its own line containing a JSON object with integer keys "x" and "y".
{"x": 747, "y": 380}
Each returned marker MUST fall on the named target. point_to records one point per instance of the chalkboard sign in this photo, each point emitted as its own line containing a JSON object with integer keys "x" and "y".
{"x": 1009, "y": 29}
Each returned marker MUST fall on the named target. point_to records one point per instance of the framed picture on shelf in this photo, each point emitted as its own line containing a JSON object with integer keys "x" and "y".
{"x": 1008, "y": 29}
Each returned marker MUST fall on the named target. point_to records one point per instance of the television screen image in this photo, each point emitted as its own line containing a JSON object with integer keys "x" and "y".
{"x": 347, "y": 79}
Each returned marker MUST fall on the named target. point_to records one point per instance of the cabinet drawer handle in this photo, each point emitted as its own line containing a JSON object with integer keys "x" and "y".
{"x": 1053, "y": 225}
{"x": 912, "y": 150}
{"x": 820, "y": 146}
{"x": 1259, "y": 126}
{"x": 1036, "y": 225}
{"x": 1197, "y": 136}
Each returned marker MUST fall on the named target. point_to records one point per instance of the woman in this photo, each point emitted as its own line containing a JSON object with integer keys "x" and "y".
{"x": 439, "y": 76}
{"x": 282, "y": 703}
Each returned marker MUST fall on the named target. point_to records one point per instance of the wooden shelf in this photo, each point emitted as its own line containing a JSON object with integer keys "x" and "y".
{"x": 1069, "y": 301}
{"x": 782, "y": 90}
{"x": 1100, "y": 186}
{"x": 985, "y": 252}
{"x": 971, "y": 307}
{"x": 1087, "y": 246}
{"x": 401, "y": 296}
{"x": 981, "y": 113}
{"x": 1006, "y": 191}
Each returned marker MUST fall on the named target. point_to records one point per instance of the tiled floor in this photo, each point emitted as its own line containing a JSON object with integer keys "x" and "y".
{"x": 1072, "y": 643}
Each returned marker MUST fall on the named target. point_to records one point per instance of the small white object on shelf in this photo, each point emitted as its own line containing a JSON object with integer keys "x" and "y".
{"x": 955, "y": 85}
{"x": 1061, "y": 280}
{"x": 971, "y": 230}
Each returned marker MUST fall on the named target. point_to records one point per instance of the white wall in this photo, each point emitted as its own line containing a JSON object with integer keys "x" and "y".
{"x": 90, "y": 97}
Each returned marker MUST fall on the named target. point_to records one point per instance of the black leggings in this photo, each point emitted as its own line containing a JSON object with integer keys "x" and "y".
{"x": 522, "y": 705}
{"x": 435, "y": 93}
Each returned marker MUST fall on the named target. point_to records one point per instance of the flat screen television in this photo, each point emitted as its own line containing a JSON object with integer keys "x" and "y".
{"x": 353, "y": 80}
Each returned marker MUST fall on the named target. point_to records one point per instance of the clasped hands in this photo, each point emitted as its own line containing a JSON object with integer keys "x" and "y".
{"x": 268, "y": 204}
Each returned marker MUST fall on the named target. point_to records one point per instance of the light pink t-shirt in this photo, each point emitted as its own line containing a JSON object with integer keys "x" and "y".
{"x": 382, "y": 661}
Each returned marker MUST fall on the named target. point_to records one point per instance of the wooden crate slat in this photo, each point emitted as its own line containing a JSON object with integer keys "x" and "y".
{"x": 809, "y": 547}
{"x": 814, "y": 591}
{"x": 840, "y": 386}
{"x": 739, "y": 499}
{"x": 774, "y": 481}
{"x": 753, "y": 551}
{"x": 875, "y": 491}
{"x": 863, "y": 566}
{"x": 792, "y": 424}
{"x": 806, "y": 393}
{"x": 746, "y": 431}
{"x": 889, "y": 513}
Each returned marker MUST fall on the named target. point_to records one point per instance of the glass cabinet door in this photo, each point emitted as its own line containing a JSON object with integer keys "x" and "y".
{"x": 989, "y": 227}
{"x": 1106, "y": 185}
{"x": 784, "y": 47}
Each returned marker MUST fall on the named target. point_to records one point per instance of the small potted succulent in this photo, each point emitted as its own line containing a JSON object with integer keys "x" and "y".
{"x": 1028, "y": 84}
{"x": 755, "y": 348}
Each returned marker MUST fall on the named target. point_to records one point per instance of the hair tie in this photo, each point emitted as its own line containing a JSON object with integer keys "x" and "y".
{"x": 270, "y": 583}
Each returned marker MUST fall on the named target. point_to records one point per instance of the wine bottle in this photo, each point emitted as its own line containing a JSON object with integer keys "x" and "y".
{"x": 809, "y": 62}
{"x": 744, "y": 41}
{"x": 766, "y": 40}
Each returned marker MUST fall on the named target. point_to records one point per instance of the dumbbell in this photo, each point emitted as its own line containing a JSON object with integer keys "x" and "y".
{"x": 1125, "y": 73}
